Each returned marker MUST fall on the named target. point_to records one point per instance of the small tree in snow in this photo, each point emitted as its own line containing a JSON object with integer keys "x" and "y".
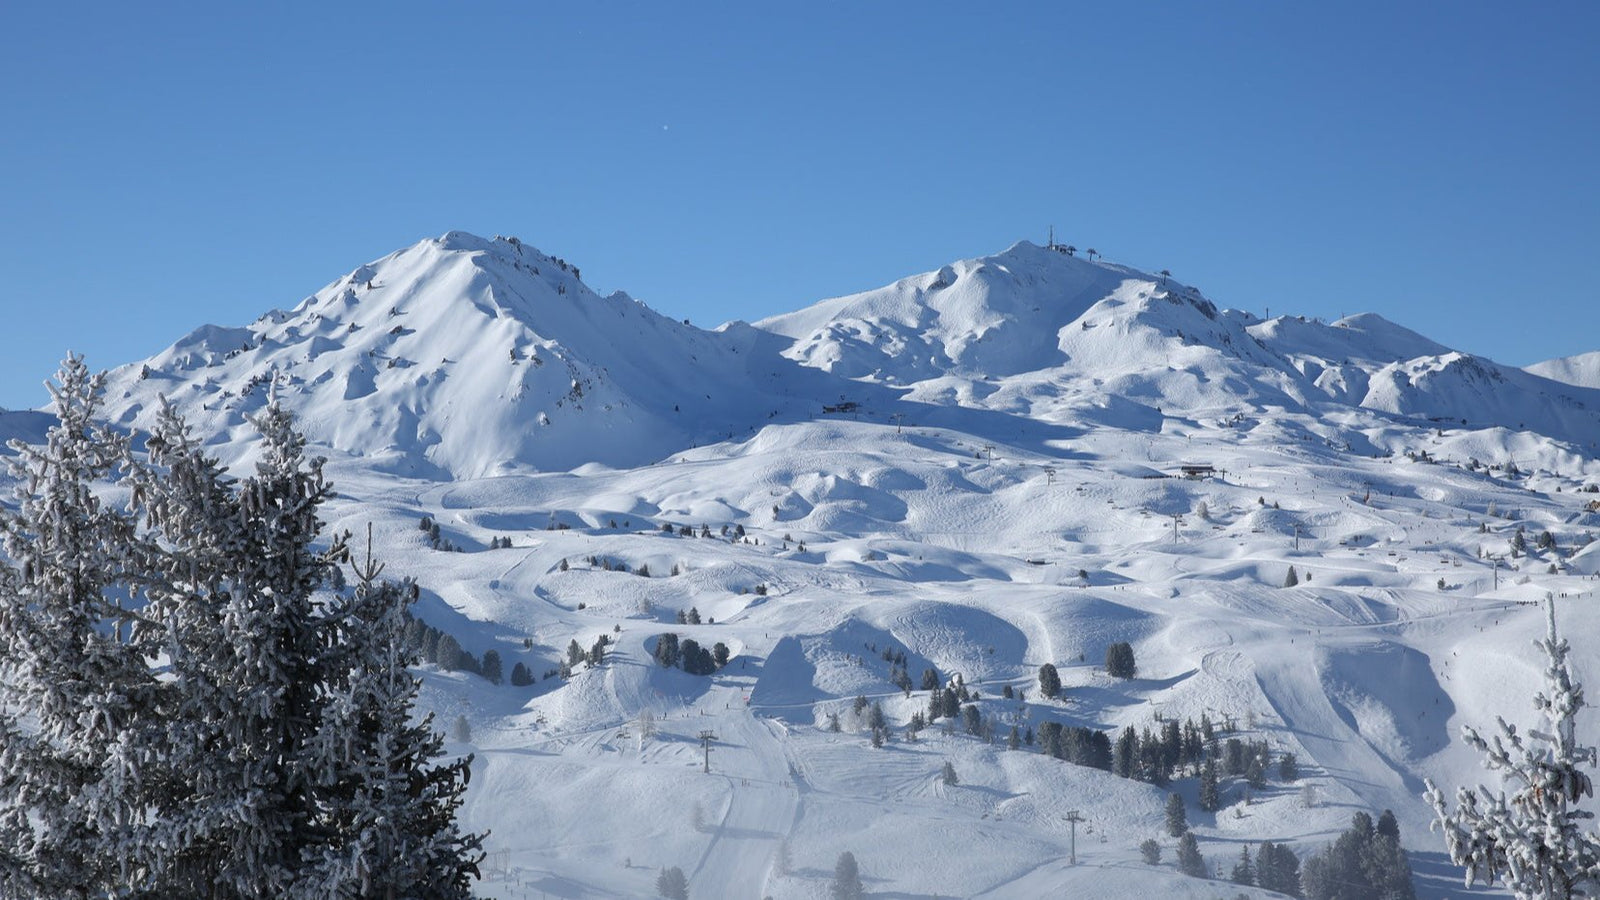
{"x": 1177, "y": 816}
{"x": 1291, "y": 579}
{"x": 1534, "y": 840}
{"x": 1119, "y": 660}
{"x": 847, "y": 878}
{"x": 1190, "y": 862}
{"x": 672, "y": 884}
{"x": 1150, "y": 851}
{"x": 1049, "y": 680}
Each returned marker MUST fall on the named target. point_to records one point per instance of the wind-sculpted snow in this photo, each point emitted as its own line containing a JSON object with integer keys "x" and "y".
{"x": 1388, "y": 693}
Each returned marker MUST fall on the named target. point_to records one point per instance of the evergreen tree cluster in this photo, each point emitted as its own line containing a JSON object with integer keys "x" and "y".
{"x": 1075, "y": 744}
{"x": 1365, "y": 861}
{"x": 435, "y": 538}
{"x": 687, "y": 654}
{"x": 672, "y": 884}
{"x": 429, "y": 644}
{"x": 734, "y": 535}
{"x": 1277, "y": 869}
{"x": 945, "y": 703}
{"x": 606, "y": 564}
{"x": 1158, "y": 756}
{"x": 274, "y": 753}
{"x": 899, "y": 676}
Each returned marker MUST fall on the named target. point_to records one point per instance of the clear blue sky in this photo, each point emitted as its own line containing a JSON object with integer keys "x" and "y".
{"x": 162, "y": 167}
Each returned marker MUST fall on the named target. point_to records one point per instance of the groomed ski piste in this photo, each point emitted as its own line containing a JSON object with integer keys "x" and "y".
{"x": 981, "y": 469}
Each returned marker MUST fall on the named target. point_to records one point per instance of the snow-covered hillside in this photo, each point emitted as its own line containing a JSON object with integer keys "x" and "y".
{"x": 973, "y": 471}
{"x": 28, "y": 426}
{"x": 1582, "y": 370}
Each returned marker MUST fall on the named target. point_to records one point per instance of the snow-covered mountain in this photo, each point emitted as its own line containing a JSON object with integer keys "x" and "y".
{"x": 1582, "y": 370}
{"x": 970, "y": 470}
{"x": 1025, "y": 328}
{"x": 463, "y": 357}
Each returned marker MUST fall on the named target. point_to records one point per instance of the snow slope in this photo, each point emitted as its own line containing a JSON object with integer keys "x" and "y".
{"x": 1582, "y": 370}
{"x": 969, "y": 468}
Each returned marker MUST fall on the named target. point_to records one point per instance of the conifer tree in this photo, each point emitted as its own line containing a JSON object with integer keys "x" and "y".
{"x": 1210, "y": 795}
{"x": 1177, "y": 816}
{"x": 71, "y": 655}
{"x": 672, "y": 884}
{"x": 1124, "y": 756}
{"x": 275, "y": 755}
{"x": 1288, "y": 768}
{"x": 1243, "y": 872}
{"x": 847, "y": 879}
{"x": 1190, "y": 862}
{"x": 1119, "y": 660}
{"x": 1049, "y": 681}
{"x": 389, "y": 809}
{"x": 491, "y": 667}
{"x": 1534, "y": 839}
{"x": 1277, "y": 869}
{"x": 1150, "y": 851}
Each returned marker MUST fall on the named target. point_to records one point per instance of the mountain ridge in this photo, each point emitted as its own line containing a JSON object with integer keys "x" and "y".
{"x": 463, "y": 356}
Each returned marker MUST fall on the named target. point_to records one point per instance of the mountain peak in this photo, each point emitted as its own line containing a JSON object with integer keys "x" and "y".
{"x": 462, "y": 356}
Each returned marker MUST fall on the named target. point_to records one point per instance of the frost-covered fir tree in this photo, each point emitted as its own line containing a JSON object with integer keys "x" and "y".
{"x": 390, "y": 808}
{"x": 191, "y": 506}
{"x": 274, "y": 755}
{"x": 279, "y": 634}
{"x": 72, "y": 659}
{"x": 1534, "y": 840}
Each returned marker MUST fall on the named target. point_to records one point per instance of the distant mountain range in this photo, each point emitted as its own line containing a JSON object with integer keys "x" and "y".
{"x": 461, "y": 357}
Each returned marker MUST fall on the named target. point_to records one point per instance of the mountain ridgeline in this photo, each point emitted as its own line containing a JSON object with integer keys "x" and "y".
{"x": 461, "y": 357}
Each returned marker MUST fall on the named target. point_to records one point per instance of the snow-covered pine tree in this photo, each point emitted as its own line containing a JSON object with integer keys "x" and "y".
{"x": 389, "y": 808}
{"x": 192, "y": 508}
{"x": 277, "y": 721}
{"x": 1535, "y": 840}
{"x": 72, "y": 659}
{"x": 279, "y": 632}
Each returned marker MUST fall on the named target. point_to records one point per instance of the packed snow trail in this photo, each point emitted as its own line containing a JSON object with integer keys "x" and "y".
{"x": 760, "y": 814}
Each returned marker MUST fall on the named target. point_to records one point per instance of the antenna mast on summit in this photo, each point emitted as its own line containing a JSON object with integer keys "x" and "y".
{"x": 1052, "y": 244}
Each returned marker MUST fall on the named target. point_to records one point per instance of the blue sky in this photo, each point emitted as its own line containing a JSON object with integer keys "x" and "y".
{"x": 164, "y": 166}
